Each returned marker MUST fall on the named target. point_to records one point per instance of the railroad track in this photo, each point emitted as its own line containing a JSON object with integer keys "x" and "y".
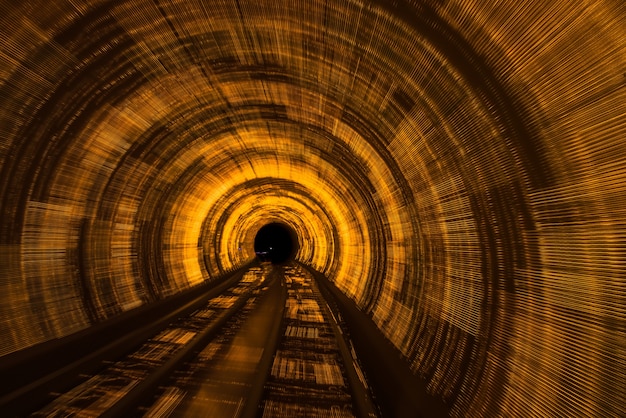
{"x": 268, "y": 346}
{"x": 313, "y": 373}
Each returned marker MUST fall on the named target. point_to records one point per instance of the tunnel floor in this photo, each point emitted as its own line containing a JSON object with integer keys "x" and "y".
{"x": 269, "y": 345}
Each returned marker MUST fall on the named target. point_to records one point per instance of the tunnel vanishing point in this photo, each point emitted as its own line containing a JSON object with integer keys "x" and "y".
{"x": 456, "y": 168}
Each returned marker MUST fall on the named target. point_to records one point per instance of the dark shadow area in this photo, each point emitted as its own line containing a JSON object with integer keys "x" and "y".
{"x": 276, "y": 242}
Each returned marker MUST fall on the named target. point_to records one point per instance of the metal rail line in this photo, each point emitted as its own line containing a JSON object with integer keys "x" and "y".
{"x": 268, "y": 346}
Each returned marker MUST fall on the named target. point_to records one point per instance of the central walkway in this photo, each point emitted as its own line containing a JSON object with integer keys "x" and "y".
{"x": 219, "y": 382}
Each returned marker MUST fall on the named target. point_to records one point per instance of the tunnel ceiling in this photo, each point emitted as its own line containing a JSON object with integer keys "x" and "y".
{"x": 455, "y": 167}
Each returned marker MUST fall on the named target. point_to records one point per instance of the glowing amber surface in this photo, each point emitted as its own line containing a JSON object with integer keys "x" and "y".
{"x": 456, "y": 167}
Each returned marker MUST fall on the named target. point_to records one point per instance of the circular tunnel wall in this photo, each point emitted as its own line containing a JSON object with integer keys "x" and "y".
{"x": 457, "y": 168}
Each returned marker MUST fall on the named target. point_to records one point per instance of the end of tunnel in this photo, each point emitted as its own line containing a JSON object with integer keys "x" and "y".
{"x": 276, "y": 242}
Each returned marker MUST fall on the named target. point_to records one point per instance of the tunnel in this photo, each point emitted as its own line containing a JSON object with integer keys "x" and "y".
{"x": 453, "y": 170}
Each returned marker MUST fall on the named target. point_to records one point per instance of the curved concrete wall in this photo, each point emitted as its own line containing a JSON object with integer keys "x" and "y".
{"x": 456, "y": 167}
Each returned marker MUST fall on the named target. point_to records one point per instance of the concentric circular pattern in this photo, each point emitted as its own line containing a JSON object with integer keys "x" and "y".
{"x": 456, "y": 167}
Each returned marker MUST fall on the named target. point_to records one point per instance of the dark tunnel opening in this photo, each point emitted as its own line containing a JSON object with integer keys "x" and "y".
{"x": 276, "y": 242}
